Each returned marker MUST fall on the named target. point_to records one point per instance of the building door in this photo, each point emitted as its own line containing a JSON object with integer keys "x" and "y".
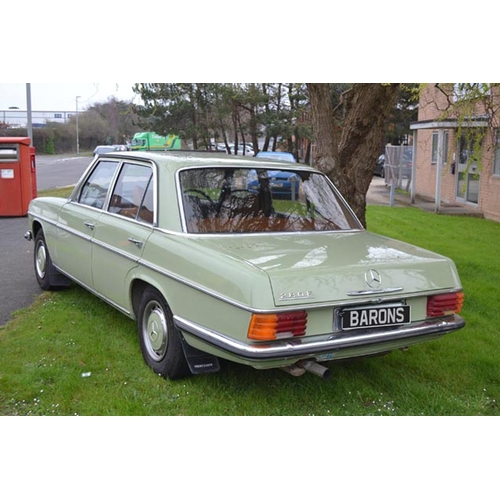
{"x": 468, "y": 176}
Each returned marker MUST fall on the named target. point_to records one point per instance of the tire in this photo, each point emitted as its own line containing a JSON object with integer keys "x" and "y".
{"x": 42, "y": 263}
{"x": 382, "y": 173}
{"x": 160, "y": 341}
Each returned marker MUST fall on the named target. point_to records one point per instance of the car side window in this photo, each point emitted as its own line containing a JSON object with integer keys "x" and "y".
{"x": 95, "y": 189}
{"x": 146, "y": 212}
{"x": 131, "y": 195}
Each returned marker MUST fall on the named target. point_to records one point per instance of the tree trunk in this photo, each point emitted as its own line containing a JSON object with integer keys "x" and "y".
{"x": 348, "y": 155}
{"x": 325, "y": 141}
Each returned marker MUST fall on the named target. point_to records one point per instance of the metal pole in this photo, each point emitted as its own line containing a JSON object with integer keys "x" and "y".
{"x": 413, "y": 188}
{"x": 77, "y": 138}
{"x": 439, "y": 170}
{"x": 28, "y": 110}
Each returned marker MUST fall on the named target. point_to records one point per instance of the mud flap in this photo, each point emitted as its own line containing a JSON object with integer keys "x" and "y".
{"x": 58, "y": 279}
{"x": 199, "y": 362}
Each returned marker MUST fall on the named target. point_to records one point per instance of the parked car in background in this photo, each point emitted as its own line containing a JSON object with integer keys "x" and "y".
{"x": 210, "y": 269}
{"x": 100, "y": 150}
{"x": 277, "y": 155}
{"x": 283, "y": 184}
{"x": 380, "y": 166}
{"x": 403, "y": 159}
{"x": 243, "y": 151}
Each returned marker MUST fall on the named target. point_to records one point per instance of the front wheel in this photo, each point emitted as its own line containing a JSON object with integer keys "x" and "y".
{"x": 42, "y": 262}
{"x": 160, "y": 340}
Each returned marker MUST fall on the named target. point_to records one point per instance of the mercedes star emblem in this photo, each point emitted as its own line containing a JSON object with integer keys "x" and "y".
{"x": 373, "y": 279}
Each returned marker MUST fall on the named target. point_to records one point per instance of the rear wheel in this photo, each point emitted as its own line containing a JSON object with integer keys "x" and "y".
{"x": 160, "y": 340}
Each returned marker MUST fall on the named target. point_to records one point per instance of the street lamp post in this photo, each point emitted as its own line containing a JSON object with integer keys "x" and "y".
{"x": 28, "y": 112}
{"x": 77, "y": 139}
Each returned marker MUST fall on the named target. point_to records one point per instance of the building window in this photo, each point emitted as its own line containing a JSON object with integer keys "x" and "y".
{"x": 496, "y": 164}
{"x": 434, "y": 154}
{"x": 57, "y": 115}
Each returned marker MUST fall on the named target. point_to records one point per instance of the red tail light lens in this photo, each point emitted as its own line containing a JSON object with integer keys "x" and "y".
{"x": 445, "y": 304}
{"x": 277, "y": 326}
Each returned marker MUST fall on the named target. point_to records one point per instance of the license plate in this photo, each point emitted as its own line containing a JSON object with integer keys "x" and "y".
{"x": 373, "y": 317}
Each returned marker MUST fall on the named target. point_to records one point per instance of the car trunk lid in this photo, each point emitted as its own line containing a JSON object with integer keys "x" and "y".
{"x": 312, "y": 268}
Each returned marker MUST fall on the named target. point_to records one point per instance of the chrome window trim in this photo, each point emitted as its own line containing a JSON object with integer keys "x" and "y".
{"x": 75, "y": 194}
{"x": 170, "y": 232}
{"x": 77, "y": 191}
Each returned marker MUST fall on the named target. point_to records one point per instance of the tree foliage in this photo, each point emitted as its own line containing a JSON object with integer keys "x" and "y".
{"x": 120, "y": 119}
{"x": 466, "y": 103}
{"x": 348, "y": 124}
{"x": 225, "y": 113}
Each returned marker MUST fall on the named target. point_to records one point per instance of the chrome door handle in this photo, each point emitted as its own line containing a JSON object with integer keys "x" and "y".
{"x": 89, "y": 225}
{"x": 137, "y": 243}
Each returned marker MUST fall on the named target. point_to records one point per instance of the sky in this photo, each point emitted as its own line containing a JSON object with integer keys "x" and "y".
{"x": 62, "y": 96}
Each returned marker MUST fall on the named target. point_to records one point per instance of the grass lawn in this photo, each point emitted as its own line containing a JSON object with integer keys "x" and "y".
{"x": 71, "y": 354}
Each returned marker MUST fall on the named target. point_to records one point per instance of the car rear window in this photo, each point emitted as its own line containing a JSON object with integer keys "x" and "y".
{"x": 243, "y": 200}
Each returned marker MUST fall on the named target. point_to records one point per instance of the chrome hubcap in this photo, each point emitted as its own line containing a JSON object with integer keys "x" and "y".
{"x": 155, "y": 331}
{"x": 41, "y": 260}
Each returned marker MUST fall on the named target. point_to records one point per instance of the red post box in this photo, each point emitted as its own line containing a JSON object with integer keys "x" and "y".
{"x": 17, "y": 175}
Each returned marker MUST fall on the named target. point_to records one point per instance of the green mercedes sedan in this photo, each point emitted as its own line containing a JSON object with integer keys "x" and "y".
{"x": 211, "y": 265}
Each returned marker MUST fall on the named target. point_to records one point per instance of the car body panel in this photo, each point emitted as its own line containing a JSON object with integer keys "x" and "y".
{"x": 214, "y": 283}
{"x": 115, "y": 241}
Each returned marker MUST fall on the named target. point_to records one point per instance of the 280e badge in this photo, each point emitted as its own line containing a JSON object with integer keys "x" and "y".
{"x": 307, "y": 294}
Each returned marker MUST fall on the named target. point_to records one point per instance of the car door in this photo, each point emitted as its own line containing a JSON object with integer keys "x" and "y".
{"x": 122, "y": 231}
{"x": 78, "y": 220}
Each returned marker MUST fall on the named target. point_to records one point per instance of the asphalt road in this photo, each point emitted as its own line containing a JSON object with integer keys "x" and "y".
{"x": 59, "y": 170}
{"x": 18, "y": 286}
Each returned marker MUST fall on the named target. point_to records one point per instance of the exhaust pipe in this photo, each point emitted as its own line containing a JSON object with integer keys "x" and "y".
{"x": 315, "y": 368}
{"x": 308, "y": 365}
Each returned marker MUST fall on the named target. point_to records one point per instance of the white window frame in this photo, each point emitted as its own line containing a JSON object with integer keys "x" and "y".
{"x": 434, "y": 147}
{"x": 496, "y": 157}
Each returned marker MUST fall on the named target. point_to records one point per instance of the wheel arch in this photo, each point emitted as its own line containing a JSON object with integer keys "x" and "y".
{"x": 137, "y": 288}
{"x": 36, "y": 226}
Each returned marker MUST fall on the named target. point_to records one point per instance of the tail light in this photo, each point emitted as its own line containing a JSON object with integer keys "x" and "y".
{"x": 445, "y": 304}
{"x": 277, "y": 326}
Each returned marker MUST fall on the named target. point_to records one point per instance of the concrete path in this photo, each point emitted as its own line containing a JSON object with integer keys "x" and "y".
{"x": 380, "y": 194}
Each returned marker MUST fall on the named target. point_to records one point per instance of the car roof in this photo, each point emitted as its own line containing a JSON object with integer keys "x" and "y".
{"x": 175, "y": 160}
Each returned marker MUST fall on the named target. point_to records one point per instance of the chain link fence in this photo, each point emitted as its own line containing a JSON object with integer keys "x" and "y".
{"x": 398, "y": 166}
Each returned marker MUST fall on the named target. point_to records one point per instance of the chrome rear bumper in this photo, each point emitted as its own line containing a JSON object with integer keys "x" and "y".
{"x": 346, "y": 344}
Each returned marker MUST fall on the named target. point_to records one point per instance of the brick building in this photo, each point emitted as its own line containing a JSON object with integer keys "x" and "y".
{"x": 453, "y": 166}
